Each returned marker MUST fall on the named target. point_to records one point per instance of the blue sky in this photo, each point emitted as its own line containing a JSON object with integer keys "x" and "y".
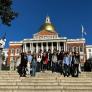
{"x": 66, "y": 15}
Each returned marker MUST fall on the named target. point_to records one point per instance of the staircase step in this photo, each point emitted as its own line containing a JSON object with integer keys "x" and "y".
{"x": 10, "y": 81}
{"x": 23, "y": 90}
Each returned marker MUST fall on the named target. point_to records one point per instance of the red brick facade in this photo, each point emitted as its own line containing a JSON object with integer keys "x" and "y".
{"x": 12, "y": 52}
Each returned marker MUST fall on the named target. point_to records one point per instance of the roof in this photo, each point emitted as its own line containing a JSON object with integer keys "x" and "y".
{"x": 44, "y": 32}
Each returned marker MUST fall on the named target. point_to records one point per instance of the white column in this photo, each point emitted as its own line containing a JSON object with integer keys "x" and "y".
{"x": 25, "y": 48}
{"x": 64, "y": 46}
{"x": 42, "y": 46}
{"x": 47, "y": 46}
{"x": 52, "y": 47}
{"x": 73, "y": 48}
{"x": 30, "y": 46}
{"x": 57, "y": 46}
{"x": 36, "y": 47}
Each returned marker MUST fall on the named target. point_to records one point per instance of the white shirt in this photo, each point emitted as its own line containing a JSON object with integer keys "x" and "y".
{"x": 39, "y": 59}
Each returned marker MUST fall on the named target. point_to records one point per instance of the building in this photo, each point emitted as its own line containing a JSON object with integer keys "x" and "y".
{"x": 89, "y": 51}
{"x": 14, "y": 53}
{"x": 46, "y": 39}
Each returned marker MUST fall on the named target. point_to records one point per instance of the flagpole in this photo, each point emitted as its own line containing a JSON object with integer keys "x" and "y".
{"x": 82, "y": 34}
{"x": 82, "y": 31}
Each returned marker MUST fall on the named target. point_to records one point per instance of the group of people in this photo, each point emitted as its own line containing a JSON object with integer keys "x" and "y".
{"x": 27, "y": 63}
{"x": 66, "y": 63}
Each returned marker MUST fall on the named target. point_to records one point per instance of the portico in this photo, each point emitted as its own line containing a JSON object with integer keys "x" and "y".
{"x": 45, "y": 45}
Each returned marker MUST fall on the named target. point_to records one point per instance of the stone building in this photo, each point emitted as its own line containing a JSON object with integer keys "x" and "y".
{"x": 46, "y": 39}
{"x": 89, "y": 51}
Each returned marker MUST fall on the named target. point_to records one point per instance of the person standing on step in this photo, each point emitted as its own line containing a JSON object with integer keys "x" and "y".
{"x": 54, "y": 62}
{"x": 66, "y": 63}
{"x": 60, "y": 57}
{"x": 45, "y": 61}
{"x": 39, "y": 63}
{"x": 76, "y": 64}
{"x": 29, "y": 57}
{"x": 49, "y": 59}
{"x": 34, "y": 64}
{"x": 23, "y": 65}
{"x": 70, "y": 65}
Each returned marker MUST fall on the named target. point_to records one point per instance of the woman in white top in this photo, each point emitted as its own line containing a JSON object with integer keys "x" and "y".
{"x": 39, "y": 63}
{"x": 29, "y": 58}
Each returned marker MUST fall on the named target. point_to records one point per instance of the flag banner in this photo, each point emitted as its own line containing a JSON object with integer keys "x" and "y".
{"x": 83, "y": 31}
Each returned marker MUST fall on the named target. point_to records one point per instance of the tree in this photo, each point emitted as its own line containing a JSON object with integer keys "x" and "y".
{"x": 3, "y": 56}
{"x": 6, "y": 12}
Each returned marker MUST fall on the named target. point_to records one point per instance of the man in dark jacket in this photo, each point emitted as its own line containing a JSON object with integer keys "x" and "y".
{"x": 76, "y": 61}
{"x": 23, "y": 65}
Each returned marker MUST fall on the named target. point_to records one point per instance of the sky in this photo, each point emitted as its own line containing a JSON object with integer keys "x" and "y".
{"x": 66, "y": 15}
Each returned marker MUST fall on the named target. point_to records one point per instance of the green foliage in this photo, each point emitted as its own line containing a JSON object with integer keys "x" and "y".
{"x": 6, "y": 12}
{"x": 3, "y": 56}
{"x": 4, "y": 67}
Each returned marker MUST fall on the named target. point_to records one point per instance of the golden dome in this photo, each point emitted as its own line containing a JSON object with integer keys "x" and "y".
{"x": 48, "y": 26}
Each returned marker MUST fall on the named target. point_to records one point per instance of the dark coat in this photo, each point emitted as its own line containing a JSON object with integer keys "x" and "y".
{"x": 23, "y": 60}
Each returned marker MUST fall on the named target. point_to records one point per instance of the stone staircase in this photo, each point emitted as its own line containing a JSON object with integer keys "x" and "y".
{"x": 44, "y": 82}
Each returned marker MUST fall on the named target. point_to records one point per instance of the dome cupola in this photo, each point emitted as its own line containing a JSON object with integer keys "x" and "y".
{"x": 47, "y": 26}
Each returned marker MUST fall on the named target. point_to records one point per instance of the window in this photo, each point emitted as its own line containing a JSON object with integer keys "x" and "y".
{"x": 12, "y": 59}
{"x": 89, "y": 50}
{"x": 77, "y": 49}
{"x": 45, "y": 37}
{"x": 81, "y": 49}
{"x": 90, "y": 55}
{"x": 69, "y": 48}
{"x": 17, "y": 51}
{"x": 12, "y": 51}
{"x": 74, "y": 49}
{"x": 40, "y": 37}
